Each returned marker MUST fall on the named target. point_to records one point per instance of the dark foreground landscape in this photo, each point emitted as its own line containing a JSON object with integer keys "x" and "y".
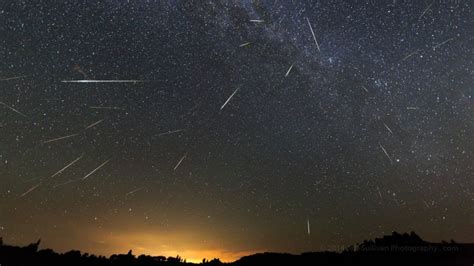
{"x": 395, "y": 249}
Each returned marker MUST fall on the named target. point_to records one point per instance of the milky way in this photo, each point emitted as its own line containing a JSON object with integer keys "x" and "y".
{"x": 226, "y": 128}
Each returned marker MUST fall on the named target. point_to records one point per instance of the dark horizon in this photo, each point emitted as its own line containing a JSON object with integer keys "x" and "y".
{"x": 401, "y": 247}
{"x": 336, "y": 249}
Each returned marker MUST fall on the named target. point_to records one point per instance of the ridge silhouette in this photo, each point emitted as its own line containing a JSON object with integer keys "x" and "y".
{"x": 394, "y": 249}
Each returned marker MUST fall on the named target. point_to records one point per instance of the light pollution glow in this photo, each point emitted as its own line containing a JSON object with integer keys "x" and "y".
{"x": 189, "y": 246}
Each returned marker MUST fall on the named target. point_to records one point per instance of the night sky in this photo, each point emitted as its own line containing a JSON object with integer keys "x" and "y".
{"x": 225, "y": 128}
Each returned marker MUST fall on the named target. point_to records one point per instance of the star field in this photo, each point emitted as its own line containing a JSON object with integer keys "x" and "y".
{"x": 220, "y": 129}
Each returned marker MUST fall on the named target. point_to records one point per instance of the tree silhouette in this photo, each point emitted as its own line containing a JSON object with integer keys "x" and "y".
{"x": 395, "y": 249}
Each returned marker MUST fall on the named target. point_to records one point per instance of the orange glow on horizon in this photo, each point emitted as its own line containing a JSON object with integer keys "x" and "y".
{"x": 188, "y": 246}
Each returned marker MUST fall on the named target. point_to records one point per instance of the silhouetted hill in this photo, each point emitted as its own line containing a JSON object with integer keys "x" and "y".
{"x": 396, "y": 249}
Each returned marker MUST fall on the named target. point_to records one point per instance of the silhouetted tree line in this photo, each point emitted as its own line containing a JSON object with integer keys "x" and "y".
{"x": 396, "y": 249}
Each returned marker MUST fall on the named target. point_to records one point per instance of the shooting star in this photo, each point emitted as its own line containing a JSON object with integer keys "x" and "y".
{"x": 12, "y": 78}
{"x": 65, "y": 183}
{"x": 426, "y": 204}
{"x": 410, "y": 55}
{"x": 289, "y": 70}
{"x": 380, "y": 194}
{"x": 30, "y": 190}
{"x": 232, "y": 95}
{"x": 104, "y": 81}
{"x": 244, "y": 44}
{"x": 389, "y": 130}
{"x": 426, "y": 10}
{"x": 60, "y": 138}
{"x": 314, "y": 36}
{"x": 94, "y": 124}
{"x": 386, "y": 153}
{"x": 180, "y": 161}
{"x": 78, "y": 69}
{"x": 95, "y": 170}
{"x": 106, "y": 107}
{"x": 412, "y": 108}
{"x": 13, "y": 109}
{"x": 257, "y": 20}
{"x": 365, "y": 89}
{"x": 442, "y": 43}
{"x": 170, "y": 132}
{"x": 135, "y": 190}
{"x": 31, "y": 179}
{"x": 67, "y": 166}
{"x": 308, "y": 225}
